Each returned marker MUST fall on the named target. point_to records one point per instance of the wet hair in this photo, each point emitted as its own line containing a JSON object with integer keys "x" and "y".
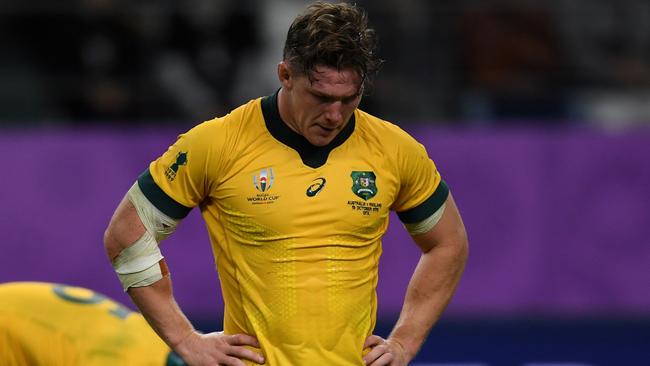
{"x": 333, "y": 35}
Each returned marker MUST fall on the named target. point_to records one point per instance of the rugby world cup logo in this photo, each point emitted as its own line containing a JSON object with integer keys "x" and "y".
{"x": 264, "y": 180}
{"x": 181, "y": 159}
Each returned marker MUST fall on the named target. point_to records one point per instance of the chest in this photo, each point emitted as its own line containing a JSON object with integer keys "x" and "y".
{"x": 350, "y": 195}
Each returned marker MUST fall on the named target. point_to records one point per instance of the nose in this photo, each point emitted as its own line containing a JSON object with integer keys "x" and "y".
{"x": 334, "y": 113}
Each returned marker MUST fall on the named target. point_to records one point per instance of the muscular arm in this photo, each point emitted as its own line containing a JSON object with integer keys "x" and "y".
{"x": 444, "y": 253}
{"x": 158, "y": 306}
{"x": 156, "y": 302}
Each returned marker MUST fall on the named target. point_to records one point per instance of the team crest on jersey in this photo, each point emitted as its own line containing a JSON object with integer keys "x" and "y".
{"x": 264, "y": 180}
{"x": 181, "y": 159}
{"x": 363, "y": 184}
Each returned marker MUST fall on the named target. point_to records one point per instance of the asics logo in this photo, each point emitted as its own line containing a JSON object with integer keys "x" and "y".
{"x": 316, "y": 186}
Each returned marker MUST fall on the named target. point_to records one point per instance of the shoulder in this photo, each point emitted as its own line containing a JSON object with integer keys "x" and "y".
{"x": 225, "y": 133}
{"x": 236, "y": 120}
{"x": 385, "y": 133}
{"x": 246, "y": 113}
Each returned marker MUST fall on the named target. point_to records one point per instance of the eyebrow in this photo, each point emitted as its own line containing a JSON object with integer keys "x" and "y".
{"x": 329, "y": 96}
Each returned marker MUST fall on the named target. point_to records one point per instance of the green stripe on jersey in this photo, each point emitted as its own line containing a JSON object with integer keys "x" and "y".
{"x": 426, "y": 208}
{"x": 160, "y": 199}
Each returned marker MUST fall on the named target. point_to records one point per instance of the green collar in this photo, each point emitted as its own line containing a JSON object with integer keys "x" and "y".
{"x": 312, "y": 156}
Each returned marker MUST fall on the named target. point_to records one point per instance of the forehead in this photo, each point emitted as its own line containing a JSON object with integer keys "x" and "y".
{"x": 330, "y": 80}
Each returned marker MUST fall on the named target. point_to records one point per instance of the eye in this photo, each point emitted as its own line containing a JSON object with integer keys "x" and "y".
{"x": 349, "y": 100}
{"x": 324, "y": 99}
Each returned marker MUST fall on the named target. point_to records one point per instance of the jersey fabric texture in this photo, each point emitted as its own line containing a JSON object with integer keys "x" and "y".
{"x": 296, "y": 229}
{"x": 50, "y": 324}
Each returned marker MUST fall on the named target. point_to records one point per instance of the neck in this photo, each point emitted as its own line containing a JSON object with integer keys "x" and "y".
{"x": 284, "y": 107}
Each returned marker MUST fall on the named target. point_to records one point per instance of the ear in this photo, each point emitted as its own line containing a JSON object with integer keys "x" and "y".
{"x": 284, "y": 75}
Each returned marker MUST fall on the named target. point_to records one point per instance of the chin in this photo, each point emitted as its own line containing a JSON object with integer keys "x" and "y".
{"x": 320, "y": 141}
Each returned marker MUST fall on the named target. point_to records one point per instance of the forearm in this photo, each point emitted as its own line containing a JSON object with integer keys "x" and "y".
{"x": 131, "y": 242}
{"x": 430, "y": 290}
{"x": 155, "y": 301}
{"x": 157, "y": 304}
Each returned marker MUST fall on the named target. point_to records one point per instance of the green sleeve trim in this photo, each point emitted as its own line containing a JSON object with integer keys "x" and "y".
{"x": 426, "y": 208}
{"x": 160, "y": 199}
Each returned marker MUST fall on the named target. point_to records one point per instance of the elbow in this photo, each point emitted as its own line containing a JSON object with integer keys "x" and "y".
{"x": 114, "y": 240}
{"x": 463, "y": 245}
{"x": 107, "y": 236}
{"x": 109, "y": 243}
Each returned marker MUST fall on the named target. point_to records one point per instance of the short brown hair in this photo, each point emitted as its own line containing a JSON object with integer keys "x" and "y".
{"x": 334, "y": 35}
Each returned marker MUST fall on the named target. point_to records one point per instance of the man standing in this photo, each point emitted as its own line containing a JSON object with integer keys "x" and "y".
{"x": 296, "y": 189}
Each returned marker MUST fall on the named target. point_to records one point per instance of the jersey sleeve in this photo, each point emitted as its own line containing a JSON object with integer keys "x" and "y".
{"x": 422, "y": 191}
{"x": 180, "y": 179}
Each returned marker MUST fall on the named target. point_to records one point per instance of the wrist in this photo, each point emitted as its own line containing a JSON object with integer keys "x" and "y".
{"x": 403, "y": 345}
{"x": 181, "y": 344}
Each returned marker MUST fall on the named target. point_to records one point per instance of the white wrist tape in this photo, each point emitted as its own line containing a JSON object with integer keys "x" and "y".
{"x": 426, "y": 224}
{"x": 156, "y": 222}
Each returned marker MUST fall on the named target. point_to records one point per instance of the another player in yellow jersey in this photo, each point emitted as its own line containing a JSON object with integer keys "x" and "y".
{"x": 296, "y": 190}
{"x": 50, "y": 324}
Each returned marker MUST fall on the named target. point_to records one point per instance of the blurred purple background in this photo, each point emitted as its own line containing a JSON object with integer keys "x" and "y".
{"x": 557, "y": 220}
{"x": 536, "y": 112}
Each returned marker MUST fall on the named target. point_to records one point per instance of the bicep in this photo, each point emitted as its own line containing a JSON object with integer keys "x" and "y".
{"x": 449, "y": 230}
{"x": 124, "y": 229}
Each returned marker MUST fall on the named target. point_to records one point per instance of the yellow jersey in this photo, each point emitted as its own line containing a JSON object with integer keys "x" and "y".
{"x": 296, "y": 229}
{"x": 49, "y": 324}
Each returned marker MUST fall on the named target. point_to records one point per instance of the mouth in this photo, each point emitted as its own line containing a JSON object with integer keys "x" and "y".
{"x": 325, "y": 128}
